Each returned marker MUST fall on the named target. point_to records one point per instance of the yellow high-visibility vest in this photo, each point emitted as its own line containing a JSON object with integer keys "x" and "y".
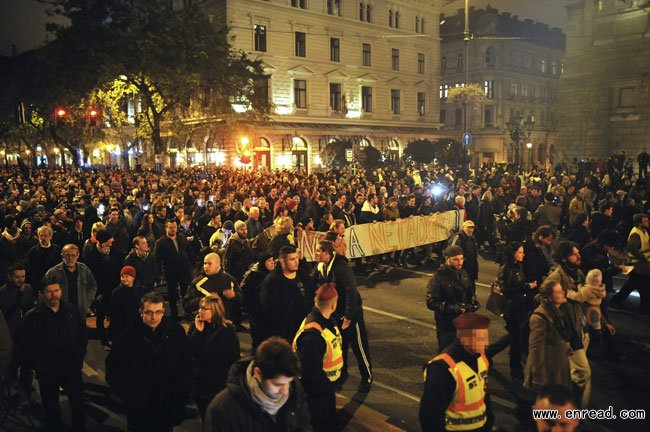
{"x": 467, "y": 410}
{"x": 333, "y": 357}
{"x": 645, "y": 245}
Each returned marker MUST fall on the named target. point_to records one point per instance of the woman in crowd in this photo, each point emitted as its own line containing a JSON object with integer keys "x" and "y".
{"x": 548, "y": 342}
{"x": 215, "y": 347}
{"x": 517, "y": 291}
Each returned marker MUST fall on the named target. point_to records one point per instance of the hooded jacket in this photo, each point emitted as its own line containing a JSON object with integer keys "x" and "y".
{"x": 234, "y": 410}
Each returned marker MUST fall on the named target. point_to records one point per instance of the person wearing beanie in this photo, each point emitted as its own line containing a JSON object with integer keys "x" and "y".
{"x": 462, "y": 364}
{"x": 450, "y": 292}
{"x": 238, "y": 255}
{"x": 318, "y": 344}
{"x": 219, "y": 238}
{"x": 125, "y": 302}
{"x": 250, "y": 287}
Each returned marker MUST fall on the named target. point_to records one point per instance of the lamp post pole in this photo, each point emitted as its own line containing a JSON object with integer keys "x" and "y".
{"x": 466, "y": 38}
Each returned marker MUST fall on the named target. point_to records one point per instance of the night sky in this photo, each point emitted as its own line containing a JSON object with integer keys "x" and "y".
{"x": 22, "y": 22}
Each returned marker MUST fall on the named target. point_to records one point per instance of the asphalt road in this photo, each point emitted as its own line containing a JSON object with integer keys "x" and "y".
{"x": 402, "y": 339}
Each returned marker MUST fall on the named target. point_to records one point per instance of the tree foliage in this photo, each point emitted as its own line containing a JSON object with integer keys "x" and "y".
{"x": 420, "y": 151}
{"x": 467, "y": 95}
{"x": 370, "y": 158}
{"x": 334, "y": 154}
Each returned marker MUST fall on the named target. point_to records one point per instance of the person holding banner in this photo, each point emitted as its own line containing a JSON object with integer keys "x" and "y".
{"x": 334, "y": 268}
{"x": 451, "y": 292}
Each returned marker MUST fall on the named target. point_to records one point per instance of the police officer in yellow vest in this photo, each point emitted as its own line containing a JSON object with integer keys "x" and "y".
{"x": 638, "y": 251}
{"x": 319, "y": 346}
{"x": 455, "y": 381}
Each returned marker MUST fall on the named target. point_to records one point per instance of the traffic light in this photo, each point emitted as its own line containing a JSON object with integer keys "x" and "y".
{"x": 60, "y": 114}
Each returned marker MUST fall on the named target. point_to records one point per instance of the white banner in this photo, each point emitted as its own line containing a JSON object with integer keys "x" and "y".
{"x": 382, "y": 237}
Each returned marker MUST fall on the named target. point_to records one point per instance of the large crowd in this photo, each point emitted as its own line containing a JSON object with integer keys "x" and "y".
{"x": 129, "y": 256}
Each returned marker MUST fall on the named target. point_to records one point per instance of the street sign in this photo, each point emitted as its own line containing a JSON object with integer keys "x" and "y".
{"x": 467, "y": 139}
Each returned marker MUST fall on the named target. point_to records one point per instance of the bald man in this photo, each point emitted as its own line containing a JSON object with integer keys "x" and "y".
{"x": 214, "y": 280}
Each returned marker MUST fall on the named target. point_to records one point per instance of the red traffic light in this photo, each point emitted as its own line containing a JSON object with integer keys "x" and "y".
{"x": 60, "y": 112}
{"x": 93, "y": 113}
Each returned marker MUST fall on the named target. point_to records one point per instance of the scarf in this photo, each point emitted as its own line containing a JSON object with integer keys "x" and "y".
{"x": 11, "y": 237}
{"x": 267, "y": 404}
{"x": 560, "y": 320}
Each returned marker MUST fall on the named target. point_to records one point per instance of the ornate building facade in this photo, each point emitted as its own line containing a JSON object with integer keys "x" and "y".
{"x": 363, "y": 71}
{"x": 604, "y": 94}
{"x": 518, "y": 64}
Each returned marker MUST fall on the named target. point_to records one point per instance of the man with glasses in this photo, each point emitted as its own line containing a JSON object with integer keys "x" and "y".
{"x": 150, "y": 369}
{"x": 75, "y": 279}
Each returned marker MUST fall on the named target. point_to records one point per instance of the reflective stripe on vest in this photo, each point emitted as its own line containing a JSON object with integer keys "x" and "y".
{"x": 645, "y": 245}
{"x": 467, "y": 411}
{"x": 333, "y": 357}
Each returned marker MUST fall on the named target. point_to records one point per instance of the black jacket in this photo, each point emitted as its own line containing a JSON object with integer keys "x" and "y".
{"x": 216, "y": 283}
{"x": 124, "y": 308}
{"x": 449, "y": 291}
{"x": 215, "y": 349}
{"x": 145, "y": 269}
{"x": 536, "y": 266}
{"x": 284, "y": 303}
{"x": 174, "y": 262}
{"x": 106, "y": 272}
{"x": 595, "y": 257}
{"x": 238, "y": 256}
{"x": 39, "y": 261}
{"x": 14, "y": 305}
{"x": 54, "y": 342}
{"x": 151, "y": 370}
{"x": 233, "y": 409}
{"x": 470, "y": 252}
{"x": 340, "y": 273}
{"x": 599, "y": 223}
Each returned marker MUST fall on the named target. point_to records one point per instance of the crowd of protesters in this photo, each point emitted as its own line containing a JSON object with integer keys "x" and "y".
{"x": 103, "y": 246}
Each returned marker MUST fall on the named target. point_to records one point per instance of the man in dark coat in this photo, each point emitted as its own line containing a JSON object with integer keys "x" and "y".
{"x": 263, "y": 394}
{"x": 174, "y": 257}
{"x": 467, "y": 242}
{"x": 143, "y": 262}
{"x": 42, "y": 257}
{"x": 150, "y": 369}
{"x": 451, "y": 292}
{"x": 334, "y": 268}
{"x": 238, "y": 255}
{"x": 250, "y": 287}
{"x": 601, "y": 220}
{"x": 53, "y": 343}
{"x": 286, "y": 296}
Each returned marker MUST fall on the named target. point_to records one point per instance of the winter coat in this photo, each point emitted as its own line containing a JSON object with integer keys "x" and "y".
{"x": 572, "y": 308}
{"x": 446, "y": 291}
{"x": 470, "y": 252}
{"x": 234, "y": 410}
{"x": 145, "y": 269}
{"x": 124, "y": 308}
{"x": 150, "y": 370}
{"x": 216, "y": 283}
{"x": 238, "y": 256}
{"x": 340, "y": 273}
{"x": 86, "y": 285}
{"x": 39, "y": 261}
{"x": 549, "y": 214}
{"x": 14, "y": 305}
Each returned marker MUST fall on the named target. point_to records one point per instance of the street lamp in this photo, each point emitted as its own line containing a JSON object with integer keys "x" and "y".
{"x": 520, "y": 131}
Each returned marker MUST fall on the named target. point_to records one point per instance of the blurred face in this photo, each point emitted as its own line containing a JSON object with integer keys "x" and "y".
{"x": 574, "y": 258}
{"x": 547, "y": 241}
{"x": 474, "y": 340}
{"x": 205, "y": 313}
{"x": 519, "y": 254}
{"x": 269, "y": 264}
{"x": 243, "y": 231}
{"x": 255, "y": 215}
{"x": 556, "y": 425}
{"x": 211, "y": 264}
{"x": 70, "y": 256}
{"x": 469, "y": 230}
{"x": 273, "y": 387}
{"x": 44, "y": 238}
{"x": 557, "y": 297}
{"x": 142, "y": 247}
{"x": 456, "y": 262}
{"x": 322, "y": 256}
{"x": 290, "y": 262}
{"x": 152, "y": 314}
{"x": 170, "y": 229}
{"x": 113, "y": 216}
{"x": 51, "y": 295}
{"x": 127, "y": 280}
{"x": 17, "y": 278}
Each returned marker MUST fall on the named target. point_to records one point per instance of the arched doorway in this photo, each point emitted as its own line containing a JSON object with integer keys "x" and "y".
{"x": 299, "y": 157}
{"x": 262, "y": 154}
{"x": 392, "y": 154}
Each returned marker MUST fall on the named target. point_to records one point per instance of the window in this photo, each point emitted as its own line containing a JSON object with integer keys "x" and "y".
{"x": 626, "y": 97}
{"x": 334, "y": 7}
{"x": 554, "y": 68}
{"x": 488, "y": 88}
{"x": 417, "y": 24}
{"x": 443, "y": 63}
{"x": 458, "y": 117}
{"x": 395, "y": 59}
{"x": 489, "y": 58}
{"x": 262, "y": 90}
{"x": 514, "y": 89}
{"x": 301, "y": 44}
{"x": 366, "y": 55}
{"x": 443, "y": 117}
{"x": 444, "y": 91}
{"x": 422, "y": 103}
{"x": 542, "y": 118}
{"x": 368, "y": 13}
{"x": 459, "y": 62}
{"x": 542, "y": 66}
{"x": 421, "y": 63}
{"x": 395, "y": 101}
{"x": 365, "y": 12}
{"x": 302, "y": 4}
{"x": 300, "y": 93}
{"x": 524, "y": 89}
{"x": 260, "y": 37}
{"x": 422, "y": 25}
{"x": 335, "y": 49}
{"x": 397, "y": 23}
{"x": 335, "y": 97}
{"x": 390, "y": 18}
{"x": 366, "y": 99}
{"x": 489, "y": 116}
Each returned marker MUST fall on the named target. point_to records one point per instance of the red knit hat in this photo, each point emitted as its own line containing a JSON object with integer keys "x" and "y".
{"x": 326, "y": 292}
{"x": 128, "y": 270}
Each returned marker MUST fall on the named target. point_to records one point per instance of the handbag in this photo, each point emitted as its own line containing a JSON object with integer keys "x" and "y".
{"x": 496, "y": 302}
